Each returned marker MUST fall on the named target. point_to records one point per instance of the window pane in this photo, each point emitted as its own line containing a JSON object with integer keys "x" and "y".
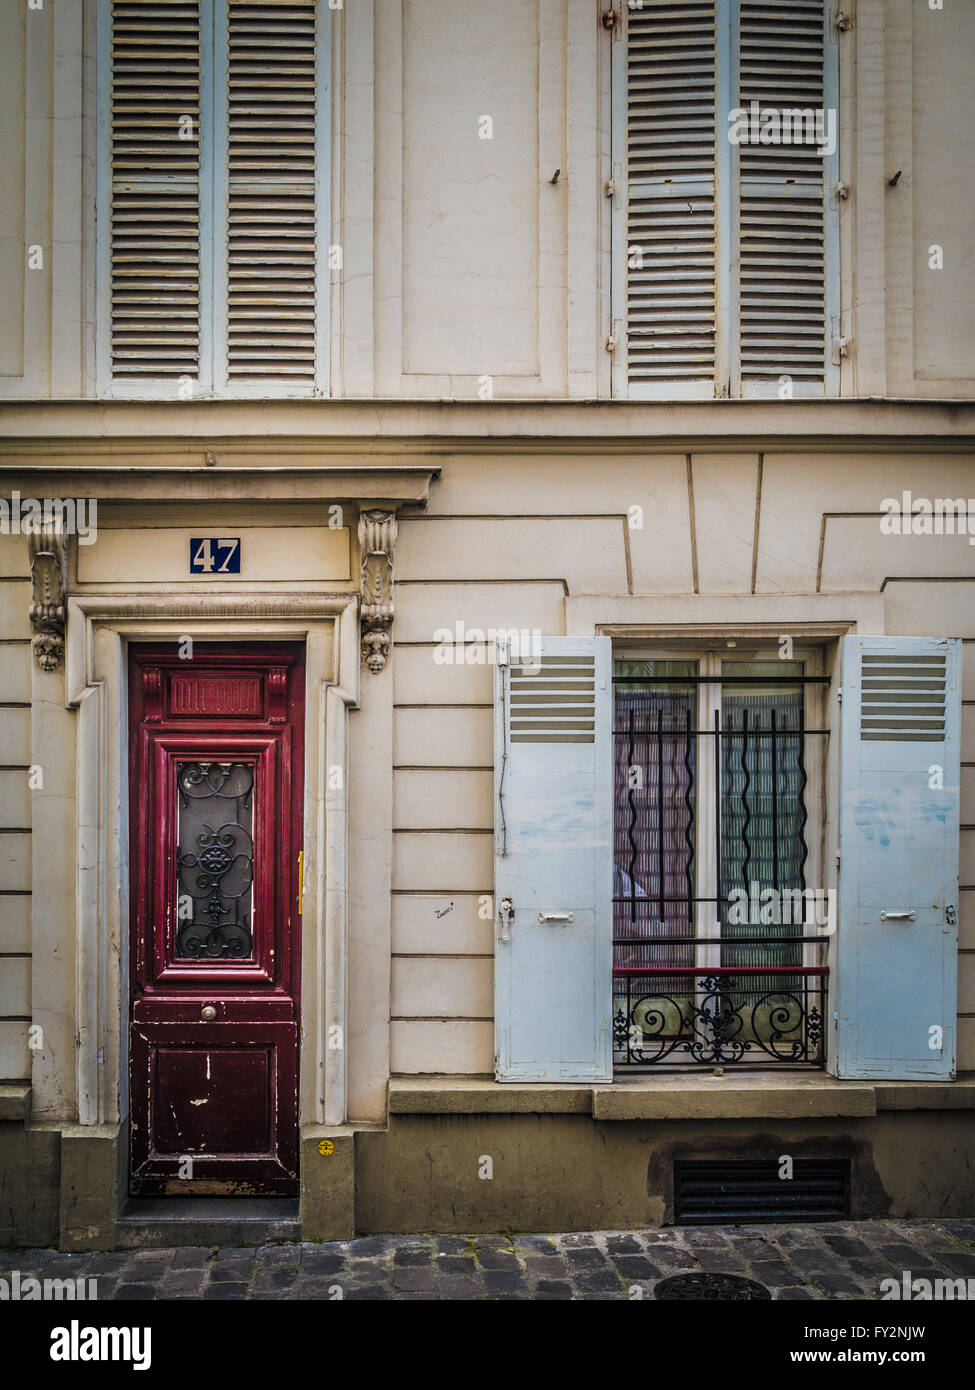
{"x": 763, "y": 812}
{"x": 655, "y": 794}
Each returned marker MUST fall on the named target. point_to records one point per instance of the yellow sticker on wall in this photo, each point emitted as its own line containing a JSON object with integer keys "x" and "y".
{"x": 326, "y": 1147}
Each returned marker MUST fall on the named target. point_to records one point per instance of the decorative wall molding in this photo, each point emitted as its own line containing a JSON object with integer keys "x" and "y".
{"x": 377, "y": 541}
{"x": 47, "y": 546}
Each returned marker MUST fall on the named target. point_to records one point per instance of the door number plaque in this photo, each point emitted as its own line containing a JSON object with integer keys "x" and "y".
{"x": 214, "y": 555}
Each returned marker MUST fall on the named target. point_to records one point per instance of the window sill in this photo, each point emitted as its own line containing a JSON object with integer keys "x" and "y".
{"x": 698, "y": 1096}
{"x": 15, "y": 1102}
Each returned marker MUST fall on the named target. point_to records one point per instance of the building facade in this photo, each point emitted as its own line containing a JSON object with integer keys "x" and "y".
{"x": 487, "y": 640}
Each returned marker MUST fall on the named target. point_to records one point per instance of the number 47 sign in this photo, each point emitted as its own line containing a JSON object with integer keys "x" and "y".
{"x": 213, "y": 555}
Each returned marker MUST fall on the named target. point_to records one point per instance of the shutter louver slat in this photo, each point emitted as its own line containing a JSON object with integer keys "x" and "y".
{"x": 781, "y": 219}
{"x": 271, "y": 202}
{"x": 670, "y": 303}
{"x": 155, "y": 231}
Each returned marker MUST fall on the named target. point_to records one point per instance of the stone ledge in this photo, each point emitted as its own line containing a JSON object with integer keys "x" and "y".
{"x": 927, "y": 1095}
{"x": 694, "y": 1096}
{"x": 734, "y": 1098}
{"x": 467, "y": 1095}
{"x": 15, "y": 1103}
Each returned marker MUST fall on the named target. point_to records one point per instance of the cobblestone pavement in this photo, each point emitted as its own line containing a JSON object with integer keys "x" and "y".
{"x": 841, "y": 1260}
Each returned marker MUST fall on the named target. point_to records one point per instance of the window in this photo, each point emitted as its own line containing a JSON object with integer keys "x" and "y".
{"x": 681, "y": 843}
{"x": 725, "y": 239}
{"x": 719, "y": 927}
{"x": 213, "y": 262}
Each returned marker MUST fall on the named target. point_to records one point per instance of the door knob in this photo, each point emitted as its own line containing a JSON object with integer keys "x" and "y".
{"x": 208, "y": 1013}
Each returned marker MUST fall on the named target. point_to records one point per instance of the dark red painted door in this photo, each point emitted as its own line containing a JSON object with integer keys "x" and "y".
{"x": 216, "y": 756}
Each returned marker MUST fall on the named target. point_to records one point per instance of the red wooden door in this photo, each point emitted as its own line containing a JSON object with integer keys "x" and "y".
{"x": 216, "y": 757}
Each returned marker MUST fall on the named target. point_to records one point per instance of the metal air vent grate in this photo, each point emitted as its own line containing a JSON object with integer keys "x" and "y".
{"x": 903, "y": 698}
{"x": 723, "y": 1191}
{"x": 554, "y": 701}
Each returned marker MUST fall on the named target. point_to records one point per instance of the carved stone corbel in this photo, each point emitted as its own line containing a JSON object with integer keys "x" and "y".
{"x": 377, "y": 540}
{"x": 47, "y": 547}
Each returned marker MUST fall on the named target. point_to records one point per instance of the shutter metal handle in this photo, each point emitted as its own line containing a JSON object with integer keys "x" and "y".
{"x": 898, "y": 916}
{"x": 556, "y": 917}
{"x": 208, "y": 1013}
{"x": 506, "y": 911}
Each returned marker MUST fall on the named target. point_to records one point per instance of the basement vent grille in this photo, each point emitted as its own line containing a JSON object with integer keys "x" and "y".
{"x": 554, "y": 701}
{"x": 711, "y": 1192}
{"x": 902, "y": 698}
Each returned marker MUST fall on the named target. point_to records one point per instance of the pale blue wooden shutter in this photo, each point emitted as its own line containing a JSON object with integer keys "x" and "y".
{"x": 897, "y": 950}
{"x": 670, "y": 152}
{"x": 553, "y": 860}
{"x": 153, "y": 240}
{"x": 786, "y": 215}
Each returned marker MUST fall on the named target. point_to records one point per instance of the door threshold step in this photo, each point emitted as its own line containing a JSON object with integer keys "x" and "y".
{"x": 148, "y": 1222}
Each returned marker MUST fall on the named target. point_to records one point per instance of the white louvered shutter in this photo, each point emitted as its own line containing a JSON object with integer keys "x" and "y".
{"x": 895, "y": 985}
{"x": 271, "y": 215}
{"x": 782, "y": 197}
{"x": 725, "y": 256}
{"x": 670, "y": 204}
{"x": 213, "y": 184}
{"x": 155, "y": 188}
{"x": 554, "y": 860}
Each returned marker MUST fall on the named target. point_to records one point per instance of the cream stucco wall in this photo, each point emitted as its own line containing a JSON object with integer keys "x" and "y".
{"x": 462, "y": 262}
{"x": 521, "y": 532}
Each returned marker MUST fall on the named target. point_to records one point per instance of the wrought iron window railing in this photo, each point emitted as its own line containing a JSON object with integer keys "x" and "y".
{"x": 719, "y": 944}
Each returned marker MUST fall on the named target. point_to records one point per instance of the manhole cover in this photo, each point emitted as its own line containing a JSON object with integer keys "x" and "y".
{"x": 711, "y": 1286}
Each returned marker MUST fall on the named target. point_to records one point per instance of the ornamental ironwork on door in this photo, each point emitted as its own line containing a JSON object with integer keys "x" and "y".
{"x": 215, "y": 860}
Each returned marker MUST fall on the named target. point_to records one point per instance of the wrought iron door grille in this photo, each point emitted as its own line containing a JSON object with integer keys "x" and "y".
{"x": 720, "y": 1191}
{"x": 740, "y": 990}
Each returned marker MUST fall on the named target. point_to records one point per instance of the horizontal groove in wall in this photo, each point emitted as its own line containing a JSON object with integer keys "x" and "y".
{"x": 534, "y": 516}
{"x": 441, "y": 955}
{"x": 437, "y": 767}
{"x": 540, "y": 579}
{"x": 443, "y": 830}
{"x": 440, "y": 892}
{"x": 466, "y": 704}
{"x": 437, "y": 1018}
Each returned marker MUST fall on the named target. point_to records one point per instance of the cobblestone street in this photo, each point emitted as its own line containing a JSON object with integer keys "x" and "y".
{"x": 842, "y": 1260}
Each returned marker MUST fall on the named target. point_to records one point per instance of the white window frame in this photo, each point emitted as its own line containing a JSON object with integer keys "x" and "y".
{"x": 727, "y": 370}
{"x": 212, "y": 382}
{"x": 709, "y": 658}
